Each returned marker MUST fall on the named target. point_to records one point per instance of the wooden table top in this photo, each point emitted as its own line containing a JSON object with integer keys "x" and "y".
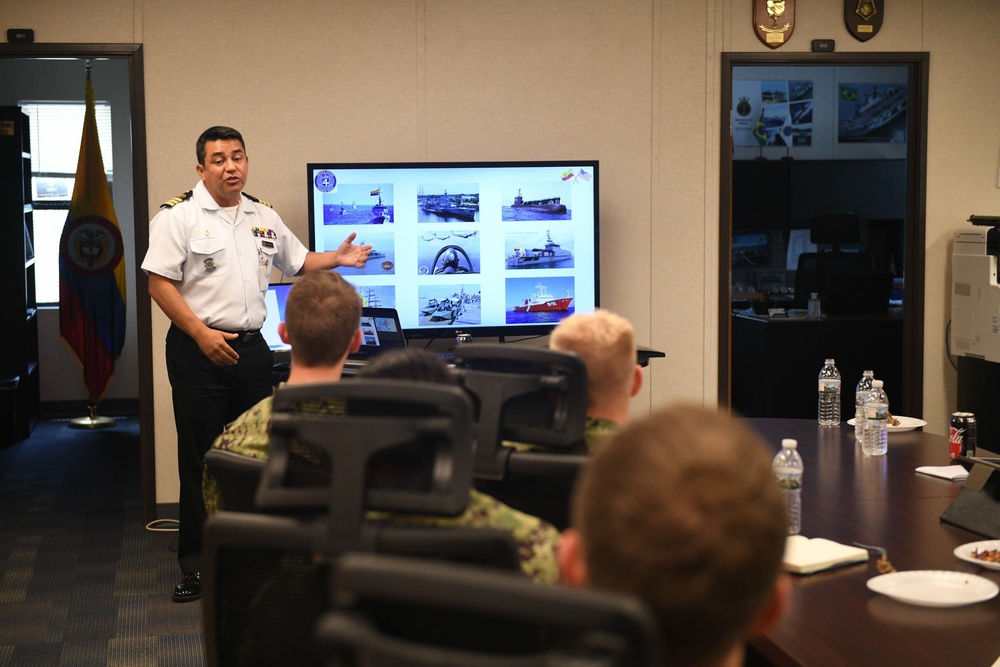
{"x": 833, "y": 619}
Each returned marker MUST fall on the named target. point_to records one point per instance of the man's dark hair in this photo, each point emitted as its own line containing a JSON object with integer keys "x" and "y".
{"x": 217, "y": 133}
{"x": 409, "y": 364}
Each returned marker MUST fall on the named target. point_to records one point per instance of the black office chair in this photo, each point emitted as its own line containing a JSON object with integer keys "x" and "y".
{"x": 813, "y": 269}
{"x": 237, "y": 478}
{"x": 407, "y": 613}
{"x": 403, "y": 447}
{"x": 529, "y": 395}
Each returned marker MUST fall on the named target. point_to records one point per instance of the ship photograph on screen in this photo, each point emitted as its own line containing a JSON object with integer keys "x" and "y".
{"x": 449, "y": 305}
{"x": 381, "y": 261}
{"x": 364, "y": 204}
{"x": 435, "y": 204}
{"x": 528, "y": 249}
{"x": 481, "y": 248}
{"x": 538, "y": 201}
{"x": 535, "y": 300}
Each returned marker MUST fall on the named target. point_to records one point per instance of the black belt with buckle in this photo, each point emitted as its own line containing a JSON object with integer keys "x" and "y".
{"x": 245, "y": 336}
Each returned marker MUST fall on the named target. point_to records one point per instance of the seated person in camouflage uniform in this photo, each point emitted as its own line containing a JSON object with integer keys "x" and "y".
{"x": 536, "y": 539}
{"x": 680, "y": 509}
{"x": 606, "y": 344}
{"x": 322, "y": 325}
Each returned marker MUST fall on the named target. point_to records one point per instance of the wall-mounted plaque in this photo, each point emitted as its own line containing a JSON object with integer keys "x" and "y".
{"x": 864, "y": 17}
{"x": 773, "y": 21}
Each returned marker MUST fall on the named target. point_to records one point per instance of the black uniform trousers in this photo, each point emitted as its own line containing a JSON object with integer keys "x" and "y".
{"x": 207, "y": 397}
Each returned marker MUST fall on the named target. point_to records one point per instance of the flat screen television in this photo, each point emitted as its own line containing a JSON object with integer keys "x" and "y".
{"x": 483, "y": 248}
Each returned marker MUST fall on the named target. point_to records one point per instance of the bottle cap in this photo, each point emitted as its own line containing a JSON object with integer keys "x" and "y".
{"x": 829, "y": 361}
{"x": 790, "y": 443}
{"x": 877, "y": 383}
{"x": 869, "y": 373}
{"x": 814, "y": 295}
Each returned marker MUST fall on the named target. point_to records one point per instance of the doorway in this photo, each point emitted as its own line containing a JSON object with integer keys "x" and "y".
{"x": 775, "y": 192}
{"x": 132, "y": 55}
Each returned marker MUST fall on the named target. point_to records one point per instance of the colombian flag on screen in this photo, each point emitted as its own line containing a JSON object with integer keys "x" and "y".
{"x": 92, "y": 267}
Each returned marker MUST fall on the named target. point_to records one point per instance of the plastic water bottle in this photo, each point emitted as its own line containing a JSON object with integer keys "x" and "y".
{"x": 829, "y": 394}
{"x": 787, "y": 468}
{"x": 814, "y": 310}
{"x": 860, "y": 395}
{"x": 875, "y": 437}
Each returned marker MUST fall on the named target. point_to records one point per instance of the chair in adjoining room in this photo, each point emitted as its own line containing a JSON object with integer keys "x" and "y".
{"x": 338, "y": 452}
{"x": 527, "y": 395}
{"x": 409, "y": 613}
{"x": 813, "y": 269}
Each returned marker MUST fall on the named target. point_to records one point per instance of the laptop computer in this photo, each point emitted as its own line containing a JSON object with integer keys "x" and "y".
{"x": 857, "y": 294}
{"x": 380, "y": 332}
{"x": 274, "y": 299}
{"x": 380, "y": 328}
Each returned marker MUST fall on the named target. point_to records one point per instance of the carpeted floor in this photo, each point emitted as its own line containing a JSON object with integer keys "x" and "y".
{"x": 82, "y": 581}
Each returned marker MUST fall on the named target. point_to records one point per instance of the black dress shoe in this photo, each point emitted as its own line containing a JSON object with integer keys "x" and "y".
{"x": 189, "y": 589}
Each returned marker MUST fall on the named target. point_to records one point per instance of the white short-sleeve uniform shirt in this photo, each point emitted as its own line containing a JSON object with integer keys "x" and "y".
{"x": 221, "y": 267}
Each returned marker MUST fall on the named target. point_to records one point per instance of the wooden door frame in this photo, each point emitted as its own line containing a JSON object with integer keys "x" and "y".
{"x": 914, "y": 222}
{"x": 140, "y": 196}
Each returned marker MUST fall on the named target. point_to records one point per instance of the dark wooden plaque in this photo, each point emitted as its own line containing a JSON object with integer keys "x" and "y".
{"x": 864, "y": 17}
{"x": 773, "y": 21}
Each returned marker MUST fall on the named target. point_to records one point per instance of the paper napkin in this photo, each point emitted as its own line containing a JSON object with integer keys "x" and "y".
{"x": 953, "y": 473}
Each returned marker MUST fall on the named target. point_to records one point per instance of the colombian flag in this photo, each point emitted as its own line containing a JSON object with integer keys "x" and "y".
{"x": 92, "y": 267}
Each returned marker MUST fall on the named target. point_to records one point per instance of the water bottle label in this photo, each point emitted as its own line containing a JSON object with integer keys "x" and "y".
{"x": 829, "y": 386}
{"x": 789, "y": 481}
{"x": 878, "y": 412}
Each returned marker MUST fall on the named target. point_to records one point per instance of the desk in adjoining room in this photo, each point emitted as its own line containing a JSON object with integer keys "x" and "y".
{"x": 776, "y": 361}
{"x": 832, "y": 618}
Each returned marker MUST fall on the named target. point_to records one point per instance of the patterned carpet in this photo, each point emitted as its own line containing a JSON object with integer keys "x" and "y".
{"x": 82, "y": 581}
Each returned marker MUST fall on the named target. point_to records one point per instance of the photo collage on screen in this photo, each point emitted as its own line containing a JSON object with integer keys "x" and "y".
{"x": 463, "y": 246}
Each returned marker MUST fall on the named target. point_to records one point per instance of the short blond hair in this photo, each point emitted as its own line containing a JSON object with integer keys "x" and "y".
{"x": 606, "y": 343}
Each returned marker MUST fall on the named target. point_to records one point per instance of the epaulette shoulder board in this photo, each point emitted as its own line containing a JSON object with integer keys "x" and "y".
{"x": 177, "y": 200}
{"x": 257, "y": 201}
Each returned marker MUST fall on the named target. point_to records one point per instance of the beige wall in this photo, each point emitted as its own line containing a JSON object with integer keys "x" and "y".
{"x": 633, "y": 83}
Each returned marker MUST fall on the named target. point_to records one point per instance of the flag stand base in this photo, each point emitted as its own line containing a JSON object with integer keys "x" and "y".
{"x": 92, "y": 421}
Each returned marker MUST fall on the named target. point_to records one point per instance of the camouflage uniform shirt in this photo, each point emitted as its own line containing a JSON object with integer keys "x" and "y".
{"x": 595, "y": 430}
{"x": 536, "y": 539}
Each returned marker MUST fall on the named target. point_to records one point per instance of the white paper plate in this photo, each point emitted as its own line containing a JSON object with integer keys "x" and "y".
{"x": 965, "y": 553}
{"x": 934, "y": 588}
{"x": 905, "y": 424}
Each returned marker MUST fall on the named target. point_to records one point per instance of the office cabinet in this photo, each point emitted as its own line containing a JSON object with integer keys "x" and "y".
{"x": 776, "y": 362}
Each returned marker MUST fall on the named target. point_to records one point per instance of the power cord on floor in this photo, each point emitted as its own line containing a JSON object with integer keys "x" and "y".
{"x": 157, "y": 525}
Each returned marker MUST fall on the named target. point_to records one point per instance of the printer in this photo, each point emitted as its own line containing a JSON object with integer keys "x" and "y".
{"x": 975, "y": 294}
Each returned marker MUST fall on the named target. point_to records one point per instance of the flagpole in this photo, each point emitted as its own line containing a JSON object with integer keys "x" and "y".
{"x": 91, "y": 282}
{"x": 92, "y": 421}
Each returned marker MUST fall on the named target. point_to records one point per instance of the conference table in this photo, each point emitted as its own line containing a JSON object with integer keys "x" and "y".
{"x": 832, "y": 617}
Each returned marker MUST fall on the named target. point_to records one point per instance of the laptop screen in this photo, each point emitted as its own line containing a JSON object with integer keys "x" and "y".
{"x": 275, "y": 299}
{"x": 380, "y": 331}
{"x": 380, "y": 327}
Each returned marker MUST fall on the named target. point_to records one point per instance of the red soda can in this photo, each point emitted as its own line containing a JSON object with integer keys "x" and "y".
{"x": 962, "y": 435}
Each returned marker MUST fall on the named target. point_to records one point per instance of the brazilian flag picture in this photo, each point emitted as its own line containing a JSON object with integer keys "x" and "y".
{"x": 758, "y": 131}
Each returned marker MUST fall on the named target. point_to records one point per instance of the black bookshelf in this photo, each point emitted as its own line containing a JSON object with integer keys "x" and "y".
{"x": 19, "y": 386}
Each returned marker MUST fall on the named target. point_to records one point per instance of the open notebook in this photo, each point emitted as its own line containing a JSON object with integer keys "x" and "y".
{"x": 805, "y": 556}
